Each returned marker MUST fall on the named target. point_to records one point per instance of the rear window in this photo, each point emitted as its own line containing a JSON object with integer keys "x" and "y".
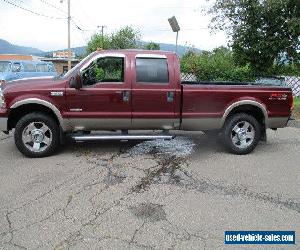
{"x": 152, "y": 70}
{"x": 29, "y": 67}
{"x": 42, "y": 68}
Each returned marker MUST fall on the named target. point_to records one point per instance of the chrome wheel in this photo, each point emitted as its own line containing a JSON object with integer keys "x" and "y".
{"x": 243, "y": 134}
{"x": 37, "y": 136}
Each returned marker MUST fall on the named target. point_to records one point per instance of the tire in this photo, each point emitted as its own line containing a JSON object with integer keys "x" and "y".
{"x": 241, "y": 134}
{"x": 37, "y": 135}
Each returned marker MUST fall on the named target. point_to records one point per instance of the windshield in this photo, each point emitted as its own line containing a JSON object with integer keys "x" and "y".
{"x": 70, "y": 72}
{"x": 5, "y": 66}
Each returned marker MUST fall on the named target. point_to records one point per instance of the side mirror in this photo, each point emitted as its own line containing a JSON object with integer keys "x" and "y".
{"x": 76, "y": 82}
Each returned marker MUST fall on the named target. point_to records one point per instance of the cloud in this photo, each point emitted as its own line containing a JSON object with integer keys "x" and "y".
{"x": 150, "y": 17}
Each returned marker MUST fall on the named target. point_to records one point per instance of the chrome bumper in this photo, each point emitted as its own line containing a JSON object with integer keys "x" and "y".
{"x": 3, "y": 124}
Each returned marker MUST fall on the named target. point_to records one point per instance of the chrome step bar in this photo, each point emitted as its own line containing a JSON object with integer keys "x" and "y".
{"x": 120, "y": 137}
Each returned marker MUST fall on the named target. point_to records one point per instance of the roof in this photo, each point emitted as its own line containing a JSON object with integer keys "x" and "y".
{"x": 51, "y": 59}
{"x": 15, "y": 57}
{"x": 140, "y": 51}
{"x": 25, "y": 61}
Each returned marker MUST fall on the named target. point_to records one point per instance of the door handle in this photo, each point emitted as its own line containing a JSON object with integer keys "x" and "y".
{"x": 125, "y": 95}
{"x": 170, "y": 96}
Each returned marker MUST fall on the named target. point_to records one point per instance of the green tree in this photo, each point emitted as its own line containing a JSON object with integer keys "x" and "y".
{"x": 261, "y": 31}
{"x": 152, "y": 46}
{"x": 217, "y": 65}
{"x": 124, "y": 38}
{"x": 98, "y": 41}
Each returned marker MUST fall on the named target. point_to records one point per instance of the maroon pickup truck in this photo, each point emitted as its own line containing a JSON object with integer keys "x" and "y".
{"x": 137, "y": 90}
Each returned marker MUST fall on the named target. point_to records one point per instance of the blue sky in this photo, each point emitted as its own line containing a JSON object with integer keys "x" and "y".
{"x": 150, "y": 17}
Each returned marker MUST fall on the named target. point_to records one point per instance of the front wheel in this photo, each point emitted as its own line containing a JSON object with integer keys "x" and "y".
{"x": 37, "y": 135}
{"x": 241, "y": 134}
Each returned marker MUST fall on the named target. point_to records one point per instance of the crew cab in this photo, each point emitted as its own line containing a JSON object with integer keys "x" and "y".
{"x": 127, "y": 90}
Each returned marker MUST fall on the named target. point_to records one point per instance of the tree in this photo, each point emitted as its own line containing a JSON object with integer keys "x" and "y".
{"x": 217, "y": 65}
{"x": 152, "y": 46}
{"x": 261, "y": 31}
{"x": 125, "y": 38}
{"x": 98, "y": 41}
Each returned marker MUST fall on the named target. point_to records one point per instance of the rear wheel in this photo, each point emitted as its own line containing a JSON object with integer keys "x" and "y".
{"x": 241, "y": 134}
{"x": 37, "y": 135}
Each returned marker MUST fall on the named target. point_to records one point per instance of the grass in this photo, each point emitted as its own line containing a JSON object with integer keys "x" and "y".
{"x": 297, "y": 101}
{"x": 296, "y": 111}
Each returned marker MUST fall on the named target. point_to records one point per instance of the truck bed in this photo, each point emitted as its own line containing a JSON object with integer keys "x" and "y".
{"x": 205, "y": 103}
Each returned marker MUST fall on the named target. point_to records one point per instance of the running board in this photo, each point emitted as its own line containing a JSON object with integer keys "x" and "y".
{"x": 120, "y": 137}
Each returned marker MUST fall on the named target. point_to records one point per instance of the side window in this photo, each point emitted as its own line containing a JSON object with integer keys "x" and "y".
{"x": 42, "y": 68}
{"x": 16, "y": 67}
{"x": 29, "y": 67}
{"x": 105, "y": 69}
{"x": 152, "y": 70}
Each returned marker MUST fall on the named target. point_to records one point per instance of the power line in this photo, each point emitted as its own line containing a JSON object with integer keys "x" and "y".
{"x": 31, "y": 11}
{"x": 53, "y": 6}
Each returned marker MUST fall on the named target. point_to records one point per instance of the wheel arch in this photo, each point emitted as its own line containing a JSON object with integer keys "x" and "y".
{"x": 253, "y": 108}
{"x": 23, "y": 107}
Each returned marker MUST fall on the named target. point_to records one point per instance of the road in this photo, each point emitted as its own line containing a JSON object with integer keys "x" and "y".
{"x": 181, "y": 194}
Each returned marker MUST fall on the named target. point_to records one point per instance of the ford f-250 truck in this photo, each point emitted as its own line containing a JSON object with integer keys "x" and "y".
{"x": 137, "y": 90}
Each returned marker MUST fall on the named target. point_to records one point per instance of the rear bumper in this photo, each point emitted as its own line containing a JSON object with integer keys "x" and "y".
{"x": 3, "y": 124}
{"x": 278, "y": 122}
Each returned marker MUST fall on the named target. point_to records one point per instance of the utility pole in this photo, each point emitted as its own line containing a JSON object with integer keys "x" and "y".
{"x": 102, "y": 32}
{"x": 176, "y": 40}
{"x": 69, "y": 36}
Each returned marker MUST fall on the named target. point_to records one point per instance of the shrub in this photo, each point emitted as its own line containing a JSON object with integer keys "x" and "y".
{"x": 217, "y": 65}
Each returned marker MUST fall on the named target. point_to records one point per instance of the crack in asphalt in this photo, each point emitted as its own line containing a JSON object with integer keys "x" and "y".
{"x": 171, "y": 170}
{"x": 168, "y": 170}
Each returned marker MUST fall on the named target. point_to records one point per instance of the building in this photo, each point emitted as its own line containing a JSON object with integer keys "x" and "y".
{"x": 60, "y": 61}
{"x": 61, "y": 64}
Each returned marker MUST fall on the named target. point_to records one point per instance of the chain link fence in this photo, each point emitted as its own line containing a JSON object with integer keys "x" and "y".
{"x": 188, "y": 77}
{"x": 294, "y": 83}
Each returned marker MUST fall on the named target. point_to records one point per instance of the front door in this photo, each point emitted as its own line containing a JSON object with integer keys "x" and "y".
{"x": 153, "y": 92}
{"x": 104, "y": 101}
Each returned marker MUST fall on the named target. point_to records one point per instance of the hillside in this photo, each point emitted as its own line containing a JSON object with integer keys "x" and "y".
{"x": 8, "y": 48}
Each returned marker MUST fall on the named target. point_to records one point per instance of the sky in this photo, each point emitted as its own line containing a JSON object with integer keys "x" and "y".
{"x": 149, "y": 17}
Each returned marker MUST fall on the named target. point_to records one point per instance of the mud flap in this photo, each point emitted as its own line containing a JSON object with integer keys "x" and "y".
{"x": 263, "y": 136}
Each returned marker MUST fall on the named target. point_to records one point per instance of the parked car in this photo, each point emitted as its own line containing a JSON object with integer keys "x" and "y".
{"x": 137, "y": 90}
{"x": 271, "y": 80}
{"x": 16, "y": 69}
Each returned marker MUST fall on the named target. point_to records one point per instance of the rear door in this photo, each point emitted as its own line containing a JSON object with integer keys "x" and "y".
{"x": 153, "y": 92}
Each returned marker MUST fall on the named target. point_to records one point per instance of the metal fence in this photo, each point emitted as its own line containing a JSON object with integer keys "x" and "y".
{"x": 294, "y": 83}
{"x": 189, "y": 77}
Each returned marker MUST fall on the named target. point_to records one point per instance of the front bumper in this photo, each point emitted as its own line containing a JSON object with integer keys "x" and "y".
{"x": 3, "y": 124}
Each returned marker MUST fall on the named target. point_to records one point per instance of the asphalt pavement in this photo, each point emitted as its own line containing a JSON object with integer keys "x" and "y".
{"x": 179, "y": 194}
